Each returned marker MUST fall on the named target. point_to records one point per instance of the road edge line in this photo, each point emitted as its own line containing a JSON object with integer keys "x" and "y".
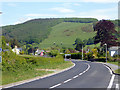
{"x": 112, "y": 78}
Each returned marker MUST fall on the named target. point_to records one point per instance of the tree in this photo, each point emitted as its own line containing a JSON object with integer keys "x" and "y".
{"x": 14, "y": 43}
{"x": 105, "y": 33}
{"x": 90, "y": 41}
{"x": 79, "y": 43}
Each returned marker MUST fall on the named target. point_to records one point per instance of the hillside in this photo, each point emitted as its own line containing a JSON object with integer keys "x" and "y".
{"x": 36, "y": 30}
{"x": 67, "y": 32}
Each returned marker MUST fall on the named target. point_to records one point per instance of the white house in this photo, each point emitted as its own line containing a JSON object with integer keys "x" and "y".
{"x": 16, "y": 50}
{"x": 114, "y": 50}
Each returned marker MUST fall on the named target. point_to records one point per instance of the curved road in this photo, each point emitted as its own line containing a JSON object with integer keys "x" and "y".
{"x": 83, "y": 75}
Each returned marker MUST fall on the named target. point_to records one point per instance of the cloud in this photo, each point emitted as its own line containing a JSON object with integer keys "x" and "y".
{"x": 76, "y": 4}
{"x": 12, "y": 4}
{"x": 63, "y": 10}
{"x": 22, "y": 20}
{"x": 40, "y": 15}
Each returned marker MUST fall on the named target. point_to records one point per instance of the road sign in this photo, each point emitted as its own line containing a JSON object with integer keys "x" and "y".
{"x": 0, "y": 49}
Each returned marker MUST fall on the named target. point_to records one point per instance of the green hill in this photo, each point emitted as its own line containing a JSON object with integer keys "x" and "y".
{"x": 67, "y": 32}
{"x": 36, "y": 30}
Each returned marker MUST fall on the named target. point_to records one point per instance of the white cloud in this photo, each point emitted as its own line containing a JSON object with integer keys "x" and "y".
{"x": 76, "y": 4}
{"x": 40, "y": 15}
{"x": 21, "y": 20}
{"x": 63, "y": 10}
{"x": 12, "y": 4}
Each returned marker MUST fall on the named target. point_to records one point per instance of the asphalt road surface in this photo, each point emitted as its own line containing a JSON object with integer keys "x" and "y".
{"x": 83, "y": 75}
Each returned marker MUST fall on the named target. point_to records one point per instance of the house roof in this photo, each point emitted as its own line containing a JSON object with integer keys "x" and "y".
{"x": 114, "y": 48}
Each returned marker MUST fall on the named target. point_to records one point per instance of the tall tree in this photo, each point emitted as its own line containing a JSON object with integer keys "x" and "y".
{"x": 79, "y": 43}
{"x": 105, "y": 33}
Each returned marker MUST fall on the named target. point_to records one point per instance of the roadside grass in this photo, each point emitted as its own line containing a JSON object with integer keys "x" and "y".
{"x": 11, "y": 77}
{"x": 116, "y": 63}
{"x": 30, "y": 67}
{"x": 117, "y": 71}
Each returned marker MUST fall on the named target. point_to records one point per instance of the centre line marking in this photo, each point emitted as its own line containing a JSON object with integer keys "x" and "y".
{"x": 55, "y": 86}
{"x": 72, "y": 78}
{"x": 67, "y": 80}
{"x": 75, "y": 76}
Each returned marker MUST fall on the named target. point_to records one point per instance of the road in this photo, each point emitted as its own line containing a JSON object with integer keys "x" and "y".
{"x": 83, "y": 75}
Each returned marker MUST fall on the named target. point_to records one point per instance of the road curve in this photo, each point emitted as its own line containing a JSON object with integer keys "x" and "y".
{"x": 83, "y": 75}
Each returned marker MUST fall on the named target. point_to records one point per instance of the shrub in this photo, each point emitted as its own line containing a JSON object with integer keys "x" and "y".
{"x": 75, "y": 55}
{"x": 22, "y": 52}
{"x": 54, "y": 52}
{"x": 89, "y": 56}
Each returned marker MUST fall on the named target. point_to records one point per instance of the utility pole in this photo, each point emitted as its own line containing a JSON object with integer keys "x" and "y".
{"x": 106, "y": 51}
{"x": 82, "y": 52}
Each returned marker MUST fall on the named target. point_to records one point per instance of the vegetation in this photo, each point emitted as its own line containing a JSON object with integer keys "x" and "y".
{"x": 65, "y": 34}
{"x": 16, "y": 67}
{"x": 105, "y": 33}
{"x": 36, "y": 30}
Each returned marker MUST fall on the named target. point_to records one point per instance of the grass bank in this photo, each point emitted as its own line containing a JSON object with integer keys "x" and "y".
{"x": 116, "y": 63}
{"x": 117, "y": 71}
{"x": 27, "y": 67}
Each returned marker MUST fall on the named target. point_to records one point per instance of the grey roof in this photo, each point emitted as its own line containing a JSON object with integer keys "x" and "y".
{"x": 114, "y": 48}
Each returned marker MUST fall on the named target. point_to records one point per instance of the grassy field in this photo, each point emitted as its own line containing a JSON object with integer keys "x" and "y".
{"x": 35, "y": 66}
{"x": 66, "y": 33}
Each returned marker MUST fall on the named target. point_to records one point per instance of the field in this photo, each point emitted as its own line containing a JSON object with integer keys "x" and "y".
{"x": 66, "y": 33}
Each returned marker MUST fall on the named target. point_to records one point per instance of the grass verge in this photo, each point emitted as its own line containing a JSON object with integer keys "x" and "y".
{"x": 116, "y": 63}
{"x": 21, "y": 74}
{"x": 117, "y": 71}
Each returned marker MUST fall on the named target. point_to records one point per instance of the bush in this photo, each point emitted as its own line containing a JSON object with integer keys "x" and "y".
{"x": 22, "y": 52}
{"x": 89, "y": 56}
{"x": 75, "y": 55}
{"x": 54, "y": 53}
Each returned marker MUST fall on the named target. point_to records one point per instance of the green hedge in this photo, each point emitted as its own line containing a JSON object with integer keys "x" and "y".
{"x": 15, "y": 63}
{"x": 75, "y": 55}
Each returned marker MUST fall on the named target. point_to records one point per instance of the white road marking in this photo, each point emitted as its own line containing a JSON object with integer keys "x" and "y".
{"x": 117, "y": 86}
{"x": 80, "y": 73}
{"x": 55, "y": 86}
{"x": 67, "y": 80}
{"x": 111, "y": 82}
{"x": 109, "y": 69}
{"x": 73, "y": 77}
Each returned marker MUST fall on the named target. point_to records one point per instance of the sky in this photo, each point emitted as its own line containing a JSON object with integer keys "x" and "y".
{"x": 14, "y": 11}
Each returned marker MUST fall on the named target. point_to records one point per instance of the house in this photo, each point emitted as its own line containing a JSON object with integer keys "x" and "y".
{"x": 39, "y": 52}
{"x": 17, "y": 50}
{"x": 114, "y": 50}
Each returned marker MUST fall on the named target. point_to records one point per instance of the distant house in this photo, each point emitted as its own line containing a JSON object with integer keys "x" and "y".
{"x": 114, "y": 50}
{"x": 17, "y": 50}
{"x": 39, "y": 52}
